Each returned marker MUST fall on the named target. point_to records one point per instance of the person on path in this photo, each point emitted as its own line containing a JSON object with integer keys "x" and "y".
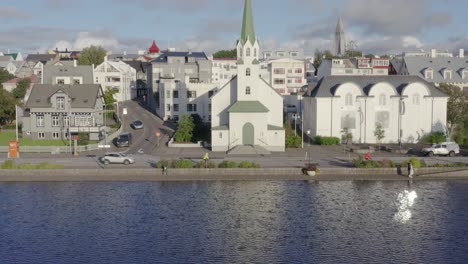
{"x": 410, "y": 170}
{"x": 206, "y": 158}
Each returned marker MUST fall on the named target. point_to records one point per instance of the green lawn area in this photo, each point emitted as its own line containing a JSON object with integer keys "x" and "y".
{"x": 7, "y": 136}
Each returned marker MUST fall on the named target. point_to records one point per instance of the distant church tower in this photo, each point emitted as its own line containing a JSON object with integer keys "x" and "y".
{"x": 340, "y": 40}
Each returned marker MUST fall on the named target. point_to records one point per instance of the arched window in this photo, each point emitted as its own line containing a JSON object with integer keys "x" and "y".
{"x": 429, "y": 74}
{"x": 416, "y": 99}
{"x": 247, "y": 90}
{"x": 349, "y": 99}
{"x": 247, "y": 52}
{"x": 255, "y": 52}
{"x": 382, "y": 99}
{"x": 247, "y": 72}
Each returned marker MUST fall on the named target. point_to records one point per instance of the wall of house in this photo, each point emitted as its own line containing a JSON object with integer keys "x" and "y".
{"x": 258, "y": 120}
{"x": 221, "y": 102}
{"x": 220, "y": 140}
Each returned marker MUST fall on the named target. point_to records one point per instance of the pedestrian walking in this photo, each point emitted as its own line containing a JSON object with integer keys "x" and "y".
{"x": 164, "y": 170}
{"x": 410, "y": 170}
{"x": 206, "y": 158}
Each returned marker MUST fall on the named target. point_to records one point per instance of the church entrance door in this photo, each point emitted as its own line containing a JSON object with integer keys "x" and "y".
{"x": 248, "y": 134}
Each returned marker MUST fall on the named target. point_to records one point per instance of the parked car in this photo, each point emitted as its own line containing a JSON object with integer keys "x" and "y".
{"x": 123, "y": 140}
{"x": 117, "y": 157}
{"x": 137, "y": 124}
{"x": 444, "y": 148}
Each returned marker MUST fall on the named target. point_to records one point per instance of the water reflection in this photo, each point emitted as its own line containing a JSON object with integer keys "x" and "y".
{"x": 405, "y": 201}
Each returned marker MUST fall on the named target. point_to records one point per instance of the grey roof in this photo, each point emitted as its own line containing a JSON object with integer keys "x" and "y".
{"x": 123, "y": 56}
{"x": 248, "y": 107}
{"x": 139, "y": 66}
{"x": 163, "y": 57}
{"x": 327, "y": 86}
{"x": 6, "y": 58}
{"x": 416, "y": 66}
{"x": 41, "y": 57}
{"x": 4, "y": 64}
{"x": 83, "y": 95}
{"x": 51, "y": 71}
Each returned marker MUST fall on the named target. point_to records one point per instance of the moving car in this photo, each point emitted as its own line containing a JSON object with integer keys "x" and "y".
{"x": 444, "y": 148}
{"x": 123, "y": 140}
{"x": 117, "y": 157}
{"x": 137, "y": 124}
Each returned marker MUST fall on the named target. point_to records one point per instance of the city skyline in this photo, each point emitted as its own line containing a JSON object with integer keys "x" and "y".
{"x": 209, "y": 25}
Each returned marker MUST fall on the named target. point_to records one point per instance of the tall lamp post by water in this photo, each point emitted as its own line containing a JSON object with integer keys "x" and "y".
{"x": 308, "y": 151}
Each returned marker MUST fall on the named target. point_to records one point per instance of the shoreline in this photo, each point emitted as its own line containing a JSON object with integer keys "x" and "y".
{"x": 262, "y": 174}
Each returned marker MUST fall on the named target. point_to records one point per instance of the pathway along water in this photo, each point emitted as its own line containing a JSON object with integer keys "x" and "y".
{"x": 234, "y": 222}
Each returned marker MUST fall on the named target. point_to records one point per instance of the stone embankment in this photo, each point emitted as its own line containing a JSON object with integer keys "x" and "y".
{"x": 262, "y": 174}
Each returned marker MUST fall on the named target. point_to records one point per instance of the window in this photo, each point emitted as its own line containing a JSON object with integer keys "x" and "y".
{"x": 240, "y": 52}
{"x": 55, "y": 121}
{"x": 220, "y": 134}
{"x": 60, "y": 81}
{"x": 55, "y": 135}
{"x": 298, "y": 70}
{"x": 191, "y": 94}
{"x": 168, "y": 94}
{"x": 349, "y": 99}
{"x": 465, "y": 74}
{"x": 66, "y": 121}
{"x": 255, "y": 52}
{"x": 175, "y": 94}
{"x": 40, "y": 120}
{"x": 41, "y": 135}
{"x": 191, "y": 107}
{"x": 382, "y": 99}
{"x": 416, "y": 99}
{"x": 247, "y": 52}
{"x": 279, "y": 71}
{"x": 247, "y": 72}
{"x": 168, "y": 107}
{"x": 298, "y": 80}
{"x": 76, "y": 81}
{"x": 447, "y": 74}
{"x": 176, "y": 118}
{"x": 210, "y": 93}
{"x": 290, "y": 80}
{"x": 209, "y": 107}
{"x": 61, "y": 103}
{"x": 176, "y": 108}
{"x": 247, "y": 90}
{"x": 278, "y": 81}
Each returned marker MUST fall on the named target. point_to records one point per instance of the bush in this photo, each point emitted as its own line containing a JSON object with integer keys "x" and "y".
{"x": 8, "y": 164}
{"x": 201, "y": 165}
{"x": 182, "y": 164}
{"x": 434, "y": 138}
{"x": 247, "y": 164}
{"x": 326, "y": 140}
{"x": 362, "y": 163}
{"x": 449, "y": 165}
{"x": 388, "y": 164}
{"x": 163, "y": 163}
{"x": 415, "y": 162}
{"x": 228, "y": 164}
{"x": 293, "y": 141}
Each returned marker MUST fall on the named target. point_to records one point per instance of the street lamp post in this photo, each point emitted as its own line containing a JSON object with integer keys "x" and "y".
{"x": 308, "y": 135}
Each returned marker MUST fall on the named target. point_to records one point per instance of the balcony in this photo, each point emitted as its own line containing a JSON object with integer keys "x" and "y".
{"x": 85, "y": 129}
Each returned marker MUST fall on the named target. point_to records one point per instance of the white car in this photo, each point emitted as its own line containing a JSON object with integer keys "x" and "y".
{"x": 117, "y": 157}
{"x": 444, "y": 148}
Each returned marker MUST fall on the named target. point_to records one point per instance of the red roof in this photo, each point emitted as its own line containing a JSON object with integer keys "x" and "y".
{"x": 154, "y": 48}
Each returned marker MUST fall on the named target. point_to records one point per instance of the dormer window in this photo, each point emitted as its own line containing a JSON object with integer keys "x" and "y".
{"x": 429, "y": 73}
{"x": 247, "y": 72}
{"x": 465, "y": 73}
{"x": 447, "y": 74}
{"x": 247, "y": 90}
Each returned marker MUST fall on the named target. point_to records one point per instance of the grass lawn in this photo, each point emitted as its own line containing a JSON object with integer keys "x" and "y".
{"x": 7, "y": 136}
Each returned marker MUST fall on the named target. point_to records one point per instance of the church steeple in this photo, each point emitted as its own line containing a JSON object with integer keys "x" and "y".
{"x": 248, "y": 31}
{"x": 340, "y": 41}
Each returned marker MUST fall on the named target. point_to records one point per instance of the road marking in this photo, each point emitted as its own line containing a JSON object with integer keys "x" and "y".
{"x": 141, "y": 151}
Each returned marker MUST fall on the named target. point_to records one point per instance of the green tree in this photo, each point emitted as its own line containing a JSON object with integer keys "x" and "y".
{"x": 185, "y": 130}
{"x": 292, "y": 140}
{"x": 7, "y": 107}
{"x": 5, "y": 76}
{"x": 201, "y": 130}
{"x": 109, "y": 99}
{"x": 379, "y": 132}
{"x": 225, "y": 54}
{"x": 457, "y": 106}
{"x": 92, "y": 55}
{"x": 21, "y": 88}
{"x": 347, "y": 135}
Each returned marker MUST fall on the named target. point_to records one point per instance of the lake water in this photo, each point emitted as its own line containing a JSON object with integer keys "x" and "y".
{"x": 234, "y": 222}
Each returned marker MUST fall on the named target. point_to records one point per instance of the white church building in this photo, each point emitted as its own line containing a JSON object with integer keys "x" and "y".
{"x": 407, "y": 107}
{"x": 247, "y": 110}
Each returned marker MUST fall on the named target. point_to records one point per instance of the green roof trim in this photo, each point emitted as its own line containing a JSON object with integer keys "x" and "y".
{"x": 248, "y": 107}
{"x": 220, "y": 128}
{"x": 13, "y": 55}
{"x": 248, "y": 32}
{"x": 275, "y": 128}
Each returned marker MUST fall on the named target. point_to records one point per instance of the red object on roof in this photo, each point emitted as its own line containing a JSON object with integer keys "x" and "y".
{"x": 147, "y": 58}
{"x": 154, "y": 48}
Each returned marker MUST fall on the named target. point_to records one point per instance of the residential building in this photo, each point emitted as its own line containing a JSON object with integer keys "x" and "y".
{"x": 268, "y": 55}
{"x": 119, "y": 76}
{"x": 23, "y": 70}
{"x": 67, "y": 72}
{"x": 141, "y": 69}
{"x": 224, "y": 69}
{"x": 37, "y": 61}
{"x": 353, "y": 66}
{"x": 435, "y": 69}
{"x": 57, "y": 111}
{"x": 340, "y": 39}
{"x": 407, "y": 107}
{"x": 247, "y": 111}
{"x": 287, "y": 76}
{"x": 13, "y": 83}
{"x": 66, "y": 54}
{"x": 6, "y": 63}
{"x": 16, "y": 56}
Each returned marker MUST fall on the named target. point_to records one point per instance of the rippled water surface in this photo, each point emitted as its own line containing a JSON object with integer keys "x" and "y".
{"x": 234, "y": 222}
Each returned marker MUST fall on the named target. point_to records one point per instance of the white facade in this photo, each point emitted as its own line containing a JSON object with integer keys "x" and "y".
{"x": 247, "y": 110}
{"x": 223, "y": 70}
{"x": 408, "y": 106}
{"x": 185, "y": 98}
{"x": 353, "y": 67}
{"x": 119, "y": 76}
{"x": 287, "y": 76}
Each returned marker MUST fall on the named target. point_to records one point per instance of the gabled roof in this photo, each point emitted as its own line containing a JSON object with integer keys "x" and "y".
{"x": 83, "y": 95}
{"x": 248, "y": 107}
{"x": 41, "y": 57}
{"x": 417, "y": 64}
{"x": 189, "y": 54}
{"x": 6, "y": 58}
{"x": 139, "y": 66}
{"x": 327, "y": 86}
{"x": 13, "y": 55}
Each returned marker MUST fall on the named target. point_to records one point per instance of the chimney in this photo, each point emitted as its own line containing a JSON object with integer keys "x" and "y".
{"x": 190, "y": 52}
{"x": 461, "y": 53}
{"x": 125, "y": 53}
{"x": 433, "y": 53}
{"x": 74, "y": 63}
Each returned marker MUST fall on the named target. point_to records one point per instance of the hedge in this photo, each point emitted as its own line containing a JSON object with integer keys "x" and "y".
{"x": 327, "y": 140}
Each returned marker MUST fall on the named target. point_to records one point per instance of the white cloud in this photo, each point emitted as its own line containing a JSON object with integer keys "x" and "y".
{"x": 85, "y": 39}
{"x": 411, "y": 41}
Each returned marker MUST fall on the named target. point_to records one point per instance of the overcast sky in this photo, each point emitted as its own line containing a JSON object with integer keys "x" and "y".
{"x": 376, "y": 26}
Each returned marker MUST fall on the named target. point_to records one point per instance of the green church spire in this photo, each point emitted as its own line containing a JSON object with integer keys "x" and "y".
{"x": 248, "y": 31}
